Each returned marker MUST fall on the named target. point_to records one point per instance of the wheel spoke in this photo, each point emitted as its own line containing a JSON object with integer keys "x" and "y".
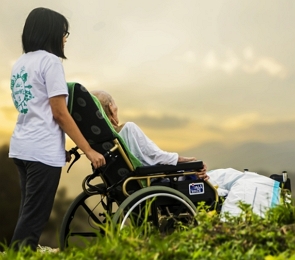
{"x": 90, "y": 213}
{"x": 81, "y": 220}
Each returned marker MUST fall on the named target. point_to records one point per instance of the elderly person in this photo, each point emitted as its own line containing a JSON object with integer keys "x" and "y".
{"x": 249, "y": 187}
{"x": 139, "y": 144}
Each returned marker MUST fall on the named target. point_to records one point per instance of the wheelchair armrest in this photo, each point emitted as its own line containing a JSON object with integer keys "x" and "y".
{"x": 159, "y": 168}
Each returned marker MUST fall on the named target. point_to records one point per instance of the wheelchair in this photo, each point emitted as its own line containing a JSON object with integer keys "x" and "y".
{"x": 125, "y": 191}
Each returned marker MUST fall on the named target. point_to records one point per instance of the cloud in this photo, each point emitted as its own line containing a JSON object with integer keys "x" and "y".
{"x": 160, "y": 122}
{"x": 268, "y": 65}
{"x": 272, "y": 131}
{"x": 228, "y": 65}
{"x": 240, "y": 121}
{"x": 247, "y": 62}
{"x": 251, "y": 127}
{"x": 191, "y": 134}
{"x": 188, "y": 56}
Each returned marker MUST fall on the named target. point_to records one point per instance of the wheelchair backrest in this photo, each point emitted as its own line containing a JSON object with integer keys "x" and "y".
{"x": 97, "y": 130}
{"x": 87, "y": 115}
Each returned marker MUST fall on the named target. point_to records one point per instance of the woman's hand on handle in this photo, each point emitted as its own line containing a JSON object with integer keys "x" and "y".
{"x": 96, "y": 158}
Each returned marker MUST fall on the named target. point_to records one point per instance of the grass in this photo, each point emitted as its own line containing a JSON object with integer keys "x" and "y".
{"x": 244, "y": 237}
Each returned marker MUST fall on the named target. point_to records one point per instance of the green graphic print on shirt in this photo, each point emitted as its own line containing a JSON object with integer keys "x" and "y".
{"x": 21, "y": 92}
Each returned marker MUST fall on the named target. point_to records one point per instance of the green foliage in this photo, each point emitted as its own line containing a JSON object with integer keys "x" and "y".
{"x": 244, "y": 237}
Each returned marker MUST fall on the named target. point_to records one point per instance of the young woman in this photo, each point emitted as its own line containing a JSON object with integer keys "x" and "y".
{"x": 37, "y": 145}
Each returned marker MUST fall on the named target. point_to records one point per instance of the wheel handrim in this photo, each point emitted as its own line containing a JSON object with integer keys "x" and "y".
{"x": 156, "y": 195}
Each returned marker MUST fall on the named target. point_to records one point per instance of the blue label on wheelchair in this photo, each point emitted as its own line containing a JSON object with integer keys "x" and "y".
{"x": 196, "y": 188}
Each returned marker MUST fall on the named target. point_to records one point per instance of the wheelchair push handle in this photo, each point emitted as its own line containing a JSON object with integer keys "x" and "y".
{"x": 285, "y": 176}
{"x": 75, "y": 152}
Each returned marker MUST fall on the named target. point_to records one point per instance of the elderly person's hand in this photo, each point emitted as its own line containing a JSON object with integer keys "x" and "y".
{"x": 114, "y": 122}
{"x": 201, "y": 174}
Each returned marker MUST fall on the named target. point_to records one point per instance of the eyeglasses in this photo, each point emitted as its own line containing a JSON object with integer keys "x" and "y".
{"x": 66, "y": 34}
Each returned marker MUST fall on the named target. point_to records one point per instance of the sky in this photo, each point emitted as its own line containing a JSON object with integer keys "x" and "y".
{"x": 188, "y": 72}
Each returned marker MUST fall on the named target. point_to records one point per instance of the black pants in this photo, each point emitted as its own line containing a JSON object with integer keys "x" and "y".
{"x": 38, "y": 183}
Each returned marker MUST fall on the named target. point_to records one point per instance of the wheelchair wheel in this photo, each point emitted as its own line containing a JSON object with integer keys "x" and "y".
{"x": 81, "y": 223}
{"x": 161, "y": 207}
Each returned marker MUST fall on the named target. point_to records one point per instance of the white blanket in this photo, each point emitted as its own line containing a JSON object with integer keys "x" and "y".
{"x": 251, "y": 188}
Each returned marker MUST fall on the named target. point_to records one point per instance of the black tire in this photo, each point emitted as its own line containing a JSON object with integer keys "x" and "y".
{"x": 168, "y": 206}
{"x": 82, "y": 219}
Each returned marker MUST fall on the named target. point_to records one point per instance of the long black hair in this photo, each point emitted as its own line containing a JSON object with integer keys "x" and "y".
{"x": 44, "y": 29}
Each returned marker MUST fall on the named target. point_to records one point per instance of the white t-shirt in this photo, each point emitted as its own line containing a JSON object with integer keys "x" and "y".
{"x": 144, "y": 149}
{"x": 37, "y": 76}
